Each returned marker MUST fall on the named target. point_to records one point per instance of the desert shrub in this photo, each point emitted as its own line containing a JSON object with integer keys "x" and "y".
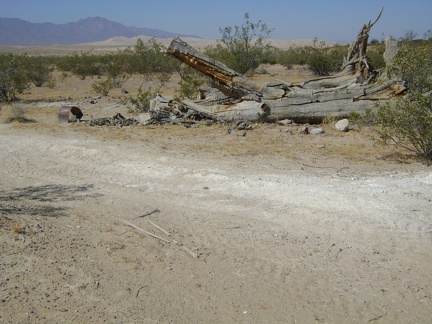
{"x": 319, "y": 62}
{"x": 413, "y": 62}
{"x": 190, "y": 82}
{"x": 374, "y": 42}
{"x": 83, "y": 65}
{"x": 115, "y": 66}
{"x": 102, "y": 87}
{"x": 149, "y": 58}
{"x": 243, "y": 48}
{"x": 375, "y": 54}
{"x": 39, "y": 70}
{"x": 407, "y": 122}
{"x": 18, "y": 114}
{"x": 51, "y": 82}
{"x": 141, "y": 103}
{"x": 13, "y": 76}
{"x": 322, "y": 60}
{"x": 291, "y": 56}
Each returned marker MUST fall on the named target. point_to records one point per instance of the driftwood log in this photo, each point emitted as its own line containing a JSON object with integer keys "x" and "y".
{"x": 354, "y": 89}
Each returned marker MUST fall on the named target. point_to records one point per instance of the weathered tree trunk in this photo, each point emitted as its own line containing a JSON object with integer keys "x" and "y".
{"x": 354, "y": 89}
{"x": 228, "y": 81}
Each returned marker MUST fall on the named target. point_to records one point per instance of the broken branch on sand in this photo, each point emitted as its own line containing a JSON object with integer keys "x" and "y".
{"x": 144, "y": 231}
{"x": 159, "y": 228}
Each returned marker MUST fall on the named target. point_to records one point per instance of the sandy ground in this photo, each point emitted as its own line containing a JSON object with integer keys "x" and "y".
{"x": 272, "y": 227}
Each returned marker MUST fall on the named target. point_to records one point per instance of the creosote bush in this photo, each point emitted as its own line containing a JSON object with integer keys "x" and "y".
{"x": 39, "y": 70}
{"x": 191, "y": 81}
{"x": 141, "y": 103}
{"x": 102, "y": 87}
{"x": 406, "y": 123}
{"x": 243, "y": 48}
{"x": 13, "y": 76}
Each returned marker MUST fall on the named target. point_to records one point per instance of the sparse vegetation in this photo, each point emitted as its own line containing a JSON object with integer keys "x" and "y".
{"x": 39, "y": 70}
{"x": 115, "y": 67}
{"x": 407, "y": 123}
{"x": 18, "y": 114}
{"x": 190, "y": 82}
{"x": 141, "y": 103}
{"x": 102, "y": 87}
{"x": 13, "y": 76}
{"x": 243, "y": 48}
{"x": 83, "y": 65}
{"x": 324, "y": 61}
{"x": 148, "y": 59}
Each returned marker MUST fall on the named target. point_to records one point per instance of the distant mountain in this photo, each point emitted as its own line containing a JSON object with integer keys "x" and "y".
{"x": 14, "y": 31}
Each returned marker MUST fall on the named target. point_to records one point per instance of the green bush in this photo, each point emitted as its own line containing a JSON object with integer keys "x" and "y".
{"x": 375, "y": 54}
{"x": 407, "y": 122}
{"x": 13, "y": 76}
{"x": 321, "y": 60}
{"x": 115, "y": 66}
{"x": 102, "y": 87}
{"x": 82, "y": 65}
{"x": 413, "y": 62}
{"x": 243, "y": 48}
{"x": 141, "y": 103}
{"x": 190, "y": 82}
{"x": 290, "y": 57}
{"x": 148, "y": 59}
{"x": 39, "y": 70}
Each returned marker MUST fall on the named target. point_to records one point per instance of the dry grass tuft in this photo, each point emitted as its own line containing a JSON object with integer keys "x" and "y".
{"x": 18, "y": 114}
{"x": 19, "y": 228}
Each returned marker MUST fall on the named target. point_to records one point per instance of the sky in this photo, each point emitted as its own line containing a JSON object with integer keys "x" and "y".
{"x": 328, "y": 20}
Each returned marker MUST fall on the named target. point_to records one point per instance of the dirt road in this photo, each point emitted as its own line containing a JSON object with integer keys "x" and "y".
{"x": 256, "y": 236}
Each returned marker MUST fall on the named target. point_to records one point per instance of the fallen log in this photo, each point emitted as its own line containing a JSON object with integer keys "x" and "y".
{"x": 225, "y": 79}
{"x": 356, "y": 88}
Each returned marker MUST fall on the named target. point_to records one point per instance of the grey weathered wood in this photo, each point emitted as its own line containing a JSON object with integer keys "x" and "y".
{"x": 226, "y": 80}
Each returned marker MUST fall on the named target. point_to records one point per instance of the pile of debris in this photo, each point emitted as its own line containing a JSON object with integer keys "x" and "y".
{"x": 185, "y": 112}
{"x": 117, "y": 120}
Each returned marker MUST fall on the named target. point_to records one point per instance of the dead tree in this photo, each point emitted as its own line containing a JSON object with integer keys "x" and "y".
{"x": 354, "y": 89}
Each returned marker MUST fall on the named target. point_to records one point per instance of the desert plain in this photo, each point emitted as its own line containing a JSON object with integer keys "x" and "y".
{"x": 271, "y": 227}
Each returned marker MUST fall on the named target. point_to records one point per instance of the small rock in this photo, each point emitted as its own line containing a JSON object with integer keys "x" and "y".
{"x": 242, "y": 125}
{"x": 316, "y": 131}
{"x": 287, "y": 130}
{"x": 304, "y": 130}
{"x": 144, "y": 118}
{"x": 342, "y": 125}
{"x": 285, "y": 122}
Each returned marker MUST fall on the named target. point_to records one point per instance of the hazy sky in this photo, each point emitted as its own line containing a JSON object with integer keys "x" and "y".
{"x": 331, "y": 20}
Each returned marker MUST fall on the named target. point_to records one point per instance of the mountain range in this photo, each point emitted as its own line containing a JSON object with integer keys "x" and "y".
{"x": 14, "y": 31}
